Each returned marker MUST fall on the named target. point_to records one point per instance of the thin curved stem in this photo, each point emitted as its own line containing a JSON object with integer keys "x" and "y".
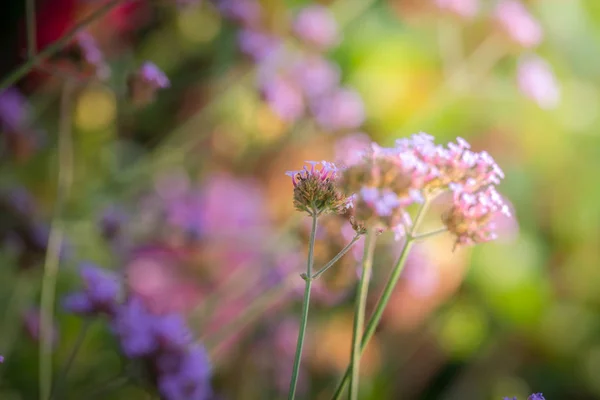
{"x": 359, "y": 314}
{"x": 337, "y": 257}
{"x": 31, "y": 28}
{"x": 55, "y": 240}
{"x": 427, "y": 235}
{"x": 386, "y": 294}
{"x": 305, "y": 306}
{"x": 55, "y": 47}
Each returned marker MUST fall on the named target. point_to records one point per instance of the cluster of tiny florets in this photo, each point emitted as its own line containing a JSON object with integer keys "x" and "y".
{"x": 534, "y": 396}
{"x": 385, "y": 181}
{"x": 163, "y": 342}
{"x": 316, "y": 190}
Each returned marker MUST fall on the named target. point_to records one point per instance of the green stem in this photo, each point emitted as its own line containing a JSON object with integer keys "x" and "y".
{"x": 337, "y": 257}
{"x": 427, "y": 235}
{"x": 305, "y": 306}
{"x": 55, "y": 240}
{"x": 62, "y": 378}
{"x": 55, "y": 47}
{"x": 385, "y": 296}
{"x": 359, "y": 315}
{"x": 31, "y": 28}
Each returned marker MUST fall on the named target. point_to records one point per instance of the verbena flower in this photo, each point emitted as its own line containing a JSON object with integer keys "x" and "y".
{"x": 316, "y": 191}
{"x": 461, "y": 8}
{"x": 245, "y": 12}
{"x": 100, "y": 294}
{"x": 518, "y": 24}
{"x": 189, "y": 378}
{"x": 145, "y": 82}
{"x": 536, "y": 81}
{"x": 256, "y": 44}
{"x": 536, "y": 396}
{"x": 284, "y": 97}
{"x": 315, "y": 25}
{"x": 316, "y": 76}
{"x": 92, "y": 55}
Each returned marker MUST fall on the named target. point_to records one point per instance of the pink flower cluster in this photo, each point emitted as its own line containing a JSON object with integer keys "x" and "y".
{"x": 387, "y": 180}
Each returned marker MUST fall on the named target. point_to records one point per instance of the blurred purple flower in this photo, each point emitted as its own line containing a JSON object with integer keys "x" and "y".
{"x": 257, "y": 45}
{"x": 245, "y": 12}
{"x": 100, "y": 294}
{"x": 111, "y": 221}
{"x": 133, "y": 324}
{"x": 92, "y": 55}
{"x": 191, "y": 380}
{"x": 516, "y": 21}
{"x": 536, "y": 81}
{"x": 284, "y": 97}
{"x": 145, "y": 82}
{"x": 316, "y": 76}
{"x": 316, "y": 26}
{"x": 342, "y": 109}
{"x": 14, "y": 110}
{"x": 351, "y": 148}
{"x": 536, "y": 396}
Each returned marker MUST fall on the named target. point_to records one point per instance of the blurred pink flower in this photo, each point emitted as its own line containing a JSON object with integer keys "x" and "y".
{"x": 516, "y": 21}
{"x": 537, "y": 81}
{"x": 317, "y": 26}
{"x": 461, "y": 8}
{"x": 350, "y": 149}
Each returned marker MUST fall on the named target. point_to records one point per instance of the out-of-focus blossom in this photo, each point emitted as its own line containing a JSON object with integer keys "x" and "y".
{"x": 536, "y": 396}
{"x": 316, "y": 76}
{"x": 316, "y": 190}
{"x": 190, "y": 379}
{"x": 316, "y": 26}
{"x": 342, "y": 109}
{"x": 536, "y": 81}
{"x": 31, "y": 322}
{"x": 351, "y": 148}
{"x": 462, "y": 8}
{"x": 245, "y": 12}
{"x": 100, "y": 294}
{"x": 145, "y": 82}
{"x": 256, "y": 44}
{"x": 15, "y": 123}
{"x": 518, "y": 24}
{"x": 111, "y": 222}
{"x": 92, "y": 55}
{"x": 284, "y": 97}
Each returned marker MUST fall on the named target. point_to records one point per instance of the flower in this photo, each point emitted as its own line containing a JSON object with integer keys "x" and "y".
{"x": 470, "y": 216}
{"x": 316, "y": 26}
{"x": 100, "y": 294}
{"x": 518, "y": 24}
{"x": 316, "y": 190}
{"x": 256, "y": 44}
{"x": 462, "y": 8}
{"x": 190, "y": 379}
{"x": 342, "y": 109}
{"x": 536, "y": 396}
{"x": 244, "y": 12}
{"x": 316, "y": 76}
{"x": 536, "y": 81}
{"x": 145, "y": 82}
{"x": 284, "y": 97}
{"x": 350, "y": 149}
{"x": 92, "y": 55}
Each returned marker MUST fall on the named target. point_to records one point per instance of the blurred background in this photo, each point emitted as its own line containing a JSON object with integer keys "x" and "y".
{"x": 179, "y": 187}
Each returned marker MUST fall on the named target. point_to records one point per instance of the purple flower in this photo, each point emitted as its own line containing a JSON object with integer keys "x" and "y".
{"x": 134, "y": 326}
{"x": 92, "y": 55}
{"x": 145, "y": 82}
{"x": 316, "y": 76}
{"x": 257, "y": 45}
{"x": 284, "y": 97}
{"x": 191, "y": 380}
{"x": 536, "y": 396}
{"x": 100, "y": 294}
{"x": 172, "y": 332}
{"x": 316, "y": 26}
{"x": 342, "y": 109}
{"x": 245, "y": 12}
{"x": 1, "y": 359}
{"x": 536, "y": 81}
{"x": 516, "y": 22}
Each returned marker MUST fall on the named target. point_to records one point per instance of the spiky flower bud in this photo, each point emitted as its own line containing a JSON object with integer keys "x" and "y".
{"x": 316, "y": 191}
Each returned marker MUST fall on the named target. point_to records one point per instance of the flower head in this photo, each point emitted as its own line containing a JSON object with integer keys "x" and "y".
{"x": 341, "y": 109}
{"x": 100, "y": 294}
{"x": 256, "y": 44}
{"x": 92, "y": 55}
{"x": 518, "y": 24}
{"x": 189, "y": 378}
{"x": 461, "y": 8}
{"x": 536, "y": 81}
{"x": 316, "y": 190}
{"x": 316, "y": 26}
{"x": 316, "y": 76}
{"x": 145, "y": 82}
{"x": 244, "y": 12}
{"x": 536, "y": 396}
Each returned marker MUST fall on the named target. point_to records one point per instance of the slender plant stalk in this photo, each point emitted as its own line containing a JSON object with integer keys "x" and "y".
{"x": 51, "y": 263}
{"x": 386, "y": 295}
{"x": 359, "y": 314}
{"x": 62, "y": 377}
{"x": 337, "y": 257}
{"x": 305, "y": 305}
{"x": 31, "y": 28}
{"x": 429, "y": 234}
{"x": 58, "y": 45}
